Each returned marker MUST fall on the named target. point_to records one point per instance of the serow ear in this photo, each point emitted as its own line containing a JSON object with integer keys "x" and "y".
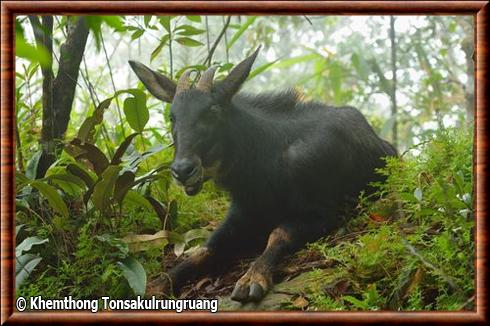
{"x": 232, "y": 83}
{"x": 158, "y": 85}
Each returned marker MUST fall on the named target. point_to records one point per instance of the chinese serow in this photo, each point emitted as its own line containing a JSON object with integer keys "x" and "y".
{"x": 291, "y": 168}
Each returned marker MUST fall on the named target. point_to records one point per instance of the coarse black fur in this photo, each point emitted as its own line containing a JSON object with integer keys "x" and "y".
{"x": 292, "y": 167}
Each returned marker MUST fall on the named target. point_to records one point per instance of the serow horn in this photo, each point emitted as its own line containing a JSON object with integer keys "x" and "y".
{"x": 206, "y": 81}
{"x": 184, "y": 82}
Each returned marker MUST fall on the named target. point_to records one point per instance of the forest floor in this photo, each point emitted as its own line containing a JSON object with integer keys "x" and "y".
{"x": 300, "y": 274}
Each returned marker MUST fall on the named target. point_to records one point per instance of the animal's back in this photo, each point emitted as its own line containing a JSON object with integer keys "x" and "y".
{"x": 327, "y": 153}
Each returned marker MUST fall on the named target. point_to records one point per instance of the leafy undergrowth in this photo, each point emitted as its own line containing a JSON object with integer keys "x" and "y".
{"x": 411, "y": 249}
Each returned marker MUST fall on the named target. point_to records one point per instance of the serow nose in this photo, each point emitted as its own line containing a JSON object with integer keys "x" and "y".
{"x": 183, "y": 169}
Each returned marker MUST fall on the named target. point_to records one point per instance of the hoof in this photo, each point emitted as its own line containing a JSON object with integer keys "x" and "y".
{"x": 253, "y": 286}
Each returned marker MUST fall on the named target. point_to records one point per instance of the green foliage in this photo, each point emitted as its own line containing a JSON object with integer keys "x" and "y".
{"x": 97, "y": 223}
{"x": 87, "y": 195}
{"x": 25, "y": 263}
{"x": 413, "y": 248}
{"x": 23, "y": 49}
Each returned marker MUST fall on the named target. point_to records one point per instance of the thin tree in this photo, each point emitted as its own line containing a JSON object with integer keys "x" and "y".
{"x": 58, "y": 92}
{"x": 394, "y": 108}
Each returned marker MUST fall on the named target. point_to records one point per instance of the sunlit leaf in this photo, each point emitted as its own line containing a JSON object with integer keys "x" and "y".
{"x": 35, "y": 54}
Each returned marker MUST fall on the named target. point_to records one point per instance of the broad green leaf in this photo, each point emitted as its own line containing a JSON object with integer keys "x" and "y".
{"x": 242, "y": 29}
{"x": 51, "y": 194}
{"x": 134, "y": 272}
{"x": 136, "y": 112}
{"x": 27, "y": 244}
{"x": 24, "y": 266}
{"x": 32, "y": 53}
{"x": 187, "y": 41}
{"x": 32, "y": 164}
{"x": 104, "y": 189}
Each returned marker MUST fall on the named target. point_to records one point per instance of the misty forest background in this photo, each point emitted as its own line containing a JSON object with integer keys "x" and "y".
{"x": 98, "y": 213}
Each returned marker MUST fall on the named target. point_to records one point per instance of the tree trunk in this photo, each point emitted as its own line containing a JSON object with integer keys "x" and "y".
{"x": 394, "y": 108}
{"x": 469, "y": 51}
{"x": 58, "y": 94}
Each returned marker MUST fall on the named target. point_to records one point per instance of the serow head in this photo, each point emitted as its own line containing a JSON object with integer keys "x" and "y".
{"x": 198, "y": 117}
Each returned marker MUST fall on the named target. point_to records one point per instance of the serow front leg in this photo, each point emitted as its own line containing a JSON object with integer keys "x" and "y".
{"x": 257, "y": 281}
{"x": 234, "y": 239}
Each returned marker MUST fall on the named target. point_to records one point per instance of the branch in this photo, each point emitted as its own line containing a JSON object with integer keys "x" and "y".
{"x": 208, "y": 59}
